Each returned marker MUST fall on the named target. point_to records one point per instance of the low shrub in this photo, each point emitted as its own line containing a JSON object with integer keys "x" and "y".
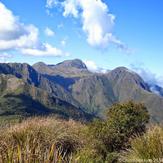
{"x": 123, "y": 121}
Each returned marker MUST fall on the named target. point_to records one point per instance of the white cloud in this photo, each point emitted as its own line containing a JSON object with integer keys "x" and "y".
{"x": 23, "y": 41}
{"x": 51, "y": 3}
{"x": 97, "y": 21}
{"x": 148, "y": 76}
{"x": 49, "y": 32}
{"x": 4, "y": 57}
{"x": 70, "y": 8}
{"x": 63, "y": 42}
{"x": 17, "y": 36}
{"x": 92, "y": 66}
{"x": 14, "y": 34}
{"x": 45, "y": 50}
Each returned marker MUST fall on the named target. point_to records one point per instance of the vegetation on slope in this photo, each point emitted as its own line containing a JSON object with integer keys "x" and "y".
{"x": 112, "y": 135}
{"x": 76, "y": 88}
{"x": 54, "y": 140}
{"x": 18, "y": 98}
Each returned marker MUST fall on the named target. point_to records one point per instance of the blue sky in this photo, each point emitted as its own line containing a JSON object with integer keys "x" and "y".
{"x": 132, "y": 32}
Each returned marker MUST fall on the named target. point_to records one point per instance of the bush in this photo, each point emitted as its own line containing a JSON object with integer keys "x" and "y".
{"x": 146, "y": 148}
{"x": 40, "y": 140}
{"x": 123, "y": 121}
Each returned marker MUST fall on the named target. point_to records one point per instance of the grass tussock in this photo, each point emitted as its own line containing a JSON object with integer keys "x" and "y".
{"x": 40, "y": 140}
{"x": 146, "y": 148}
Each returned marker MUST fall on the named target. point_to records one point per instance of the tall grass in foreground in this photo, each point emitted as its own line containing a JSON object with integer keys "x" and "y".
{"x": 41, "y": 140}
{"x": 146, "y": 148}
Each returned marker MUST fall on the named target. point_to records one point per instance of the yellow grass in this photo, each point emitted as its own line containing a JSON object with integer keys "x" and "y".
{"x": 146, "y": 148}
{"x": 41, "y": 140}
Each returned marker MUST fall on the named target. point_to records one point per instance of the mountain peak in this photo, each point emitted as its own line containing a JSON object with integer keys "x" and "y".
{"x": 123, "y": 69}
{"x": 76, "y": 63}
{"x": 39, "y": 64}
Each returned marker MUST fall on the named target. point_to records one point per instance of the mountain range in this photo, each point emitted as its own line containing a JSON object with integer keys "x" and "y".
{"x": 70, "y": 90}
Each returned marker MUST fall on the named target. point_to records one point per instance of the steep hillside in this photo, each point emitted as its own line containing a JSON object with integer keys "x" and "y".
{"x": 32, "y": 77}
{"x": 74, "y": 86}
{"x": 127, "y": 85}
{"x": 18, "y": 98}
{"x": 96, "y": 92}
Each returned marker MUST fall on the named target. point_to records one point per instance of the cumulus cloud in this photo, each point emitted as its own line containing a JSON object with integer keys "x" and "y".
{"x": 49, "y": 32}
{"x": 15, "y": 35}
{"x": 92, "y": 66}
{"x": 45, "y": 50}
{"x": 97, "y": 21}
{"x": 70, "y": 8}
{"x": 23, "y": 41}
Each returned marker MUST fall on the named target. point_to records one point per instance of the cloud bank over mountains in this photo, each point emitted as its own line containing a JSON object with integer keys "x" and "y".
{"x": 93, "y": 67}
{"x": 149, "y": 77}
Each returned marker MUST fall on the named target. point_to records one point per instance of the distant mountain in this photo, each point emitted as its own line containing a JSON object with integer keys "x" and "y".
{"x": 69, "y": 68}
{"x": 71, "y": 90}
{"x": 94, "y": 92}
{"x": 32, "y": 77}
{"x": 97, "y": 92}
{"x": 127, "y": 85}
{"x": 24, "y": 92}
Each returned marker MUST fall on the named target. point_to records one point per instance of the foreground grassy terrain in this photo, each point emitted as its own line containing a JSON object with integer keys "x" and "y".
{"x": 148, "y": 147}
{"x": 122, "y": 137}
{"x": 40, "y": 140}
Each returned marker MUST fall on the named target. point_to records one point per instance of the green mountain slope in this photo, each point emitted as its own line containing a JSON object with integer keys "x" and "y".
{"x": 97, "y": 92}
{"x": 19, "y": 98}
{"x": 70, "y": 89}
{"x": 94, "y": 93}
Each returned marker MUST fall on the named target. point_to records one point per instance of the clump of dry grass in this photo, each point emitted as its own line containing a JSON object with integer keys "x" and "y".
{"x": 146, "y": 148}
{"x": 40, "y": 140}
